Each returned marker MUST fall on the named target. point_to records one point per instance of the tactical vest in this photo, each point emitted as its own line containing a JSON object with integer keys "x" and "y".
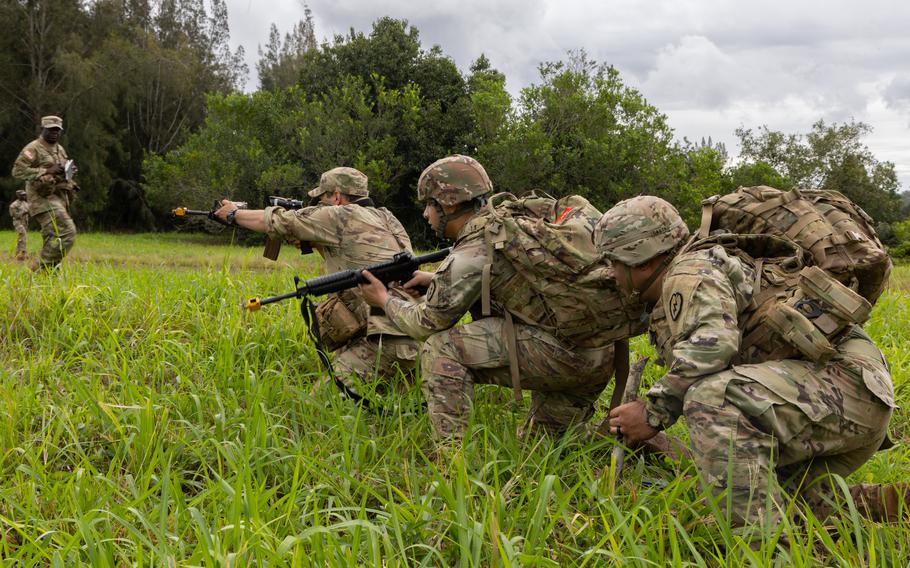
{"x": 798, "y": 310}
{"x": 835, "y": 231}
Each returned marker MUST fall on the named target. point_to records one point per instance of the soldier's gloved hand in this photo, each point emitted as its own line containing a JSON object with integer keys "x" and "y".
{"x": 631, "y": 421}
{"x": 54, "y": 170}
{"x": 374, "y": 292}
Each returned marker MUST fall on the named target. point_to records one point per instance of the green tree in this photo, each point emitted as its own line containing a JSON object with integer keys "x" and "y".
{"x": 583, "y": 130}
{"x": 830, "y": 156}
{"x": 280, "y": 62}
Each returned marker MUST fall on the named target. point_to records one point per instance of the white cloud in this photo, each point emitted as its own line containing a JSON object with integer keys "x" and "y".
{"x": 710, "y": 65}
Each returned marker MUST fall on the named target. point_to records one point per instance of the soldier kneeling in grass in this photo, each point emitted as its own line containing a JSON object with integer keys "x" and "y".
{"x": 772, "y": 403}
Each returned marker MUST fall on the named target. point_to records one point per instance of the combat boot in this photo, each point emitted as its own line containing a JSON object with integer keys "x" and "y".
{"x": 888, "y": 503}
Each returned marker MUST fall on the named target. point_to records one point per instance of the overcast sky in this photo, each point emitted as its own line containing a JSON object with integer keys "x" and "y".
{"x": 709, "y": 65}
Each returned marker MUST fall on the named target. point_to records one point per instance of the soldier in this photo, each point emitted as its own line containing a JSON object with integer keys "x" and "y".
{"x": 41, "y": 165}
{"x": 349, "y": 232}
{"x": 790, "y": 417}
{"x": 18, "y": 210}
{"x": 566, "y": 379}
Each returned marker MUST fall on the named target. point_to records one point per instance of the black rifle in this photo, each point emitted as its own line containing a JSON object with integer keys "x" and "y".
{"x": 184, "y": 212}
{"x": 272, "y": 245}
{"x": 399, "y": 269}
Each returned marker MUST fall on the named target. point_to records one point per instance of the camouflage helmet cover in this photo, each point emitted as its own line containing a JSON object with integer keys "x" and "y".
{"x": 348, "y": 181}
{"x": 453, "y": 180}
{"x": 638, "y": 229}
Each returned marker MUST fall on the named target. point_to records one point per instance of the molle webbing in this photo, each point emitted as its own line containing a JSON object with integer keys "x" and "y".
{"x": 838, "y": 234}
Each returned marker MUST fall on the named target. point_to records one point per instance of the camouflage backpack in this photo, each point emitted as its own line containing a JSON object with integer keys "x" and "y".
{"x": 798, "y": 310}
{"x": 834, "y": 230}
{"x": 550, "y": 245}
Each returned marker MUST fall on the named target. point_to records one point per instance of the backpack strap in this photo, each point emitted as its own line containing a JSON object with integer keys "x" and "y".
{"x": 707, "y": 215}
{"x": 511, "y": 339}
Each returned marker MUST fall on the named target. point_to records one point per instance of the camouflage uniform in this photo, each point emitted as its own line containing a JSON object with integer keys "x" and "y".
{"x": 49, "y": 196}
{"x": 566, "y": 380}
{"x": 789, "y": 416}
{"x": 18, "y": 211}
{"x": 353, "y": 236}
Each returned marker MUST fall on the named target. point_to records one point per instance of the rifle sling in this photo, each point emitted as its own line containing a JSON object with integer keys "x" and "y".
{"x": 308, "y": 310}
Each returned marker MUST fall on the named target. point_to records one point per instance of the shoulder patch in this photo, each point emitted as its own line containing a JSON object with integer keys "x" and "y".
{"x": 28, "y": 154}
{"x": 676, "y": 305}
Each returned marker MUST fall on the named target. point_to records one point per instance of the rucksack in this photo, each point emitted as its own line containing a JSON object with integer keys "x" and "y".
{"x": 798, "y": 310}
{"x": 549, "y": 242}
{"x": 835, "y": 231}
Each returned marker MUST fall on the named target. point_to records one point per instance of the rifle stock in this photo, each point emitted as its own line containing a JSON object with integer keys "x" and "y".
{"x": 400, "y": 268}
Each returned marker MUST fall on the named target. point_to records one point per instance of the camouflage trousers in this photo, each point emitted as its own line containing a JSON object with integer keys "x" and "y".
{"x": 761, "y": 430}
{"x": 375, "y": 358}
{"x": 566, "y": 381}
{"x": 58, "y": 232}
{"x": 21, "y": 228}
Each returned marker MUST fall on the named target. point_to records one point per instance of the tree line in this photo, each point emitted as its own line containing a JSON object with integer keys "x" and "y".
{"x": 151, "y": 91}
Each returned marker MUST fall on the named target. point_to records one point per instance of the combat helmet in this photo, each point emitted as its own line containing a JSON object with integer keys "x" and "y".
{"x": 636, "y": 230}
{"x": 453, "y": 181}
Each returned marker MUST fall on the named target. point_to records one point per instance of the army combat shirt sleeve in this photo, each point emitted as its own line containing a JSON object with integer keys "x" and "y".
{"x": 318, "y": 224}
{"x": 456, "y": 286}
{"x": 695, "y": 328}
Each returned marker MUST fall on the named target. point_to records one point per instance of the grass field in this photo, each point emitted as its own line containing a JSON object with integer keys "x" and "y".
{"x": 146, "y": 420}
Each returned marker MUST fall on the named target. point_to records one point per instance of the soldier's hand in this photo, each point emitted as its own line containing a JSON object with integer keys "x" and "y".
{"x": 631, "y": 421}
{"x": 418, "y": 283}
{"x": 374, "y": 292}
{"x": 226, "y": 207}
{"x": 54, "y": 170}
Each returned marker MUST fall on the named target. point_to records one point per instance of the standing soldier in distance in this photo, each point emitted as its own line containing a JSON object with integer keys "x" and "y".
{"x": 41, "y": 166}
{"x": 754, "y": 427}
{"x": 349, "y": 231}
{"x": 18, "y": 211}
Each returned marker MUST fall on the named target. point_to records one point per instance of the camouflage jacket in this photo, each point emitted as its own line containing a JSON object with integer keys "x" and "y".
{"x": 456, "y": 286}
{"x": 694, "y": 325}
{"x": 31, "y": 166}
{"x": 347, "y": 236}
{"x": 19, "y": 211}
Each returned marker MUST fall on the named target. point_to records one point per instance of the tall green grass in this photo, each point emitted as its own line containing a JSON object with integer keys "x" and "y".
{"x": 145, "y": 419}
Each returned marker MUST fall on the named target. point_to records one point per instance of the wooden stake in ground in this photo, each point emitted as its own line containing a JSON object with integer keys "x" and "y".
{"x": 630, "y": 393}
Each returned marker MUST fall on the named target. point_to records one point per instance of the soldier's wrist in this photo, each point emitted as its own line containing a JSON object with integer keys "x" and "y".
{"x": 654, "y": 419}
{"x": 231, "y": 217}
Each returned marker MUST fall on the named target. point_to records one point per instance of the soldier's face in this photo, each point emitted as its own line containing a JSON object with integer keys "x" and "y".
{"x": 51, "y": 135}
{"x": 431, "y": 215}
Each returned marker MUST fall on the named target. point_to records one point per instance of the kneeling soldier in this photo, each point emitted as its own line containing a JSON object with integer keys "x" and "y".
{"x": 758, "y": 423}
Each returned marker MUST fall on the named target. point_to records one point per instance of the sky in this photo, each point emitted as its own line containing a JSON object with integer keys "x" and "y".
{"x": 710, "y": 65}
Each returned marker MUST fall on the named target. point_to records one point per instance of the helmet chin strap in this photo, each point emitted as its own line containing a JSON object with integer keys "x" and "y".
{"x": 444, "y": 218}
{"x": 636, "y": 294}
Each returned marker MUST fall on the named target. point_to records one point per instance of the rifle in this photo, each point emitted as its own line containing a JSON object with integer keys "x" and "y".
{"x": 273, "y": 244}
{"x": 184, "y": 212}
{"x": 400, "y": 268}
